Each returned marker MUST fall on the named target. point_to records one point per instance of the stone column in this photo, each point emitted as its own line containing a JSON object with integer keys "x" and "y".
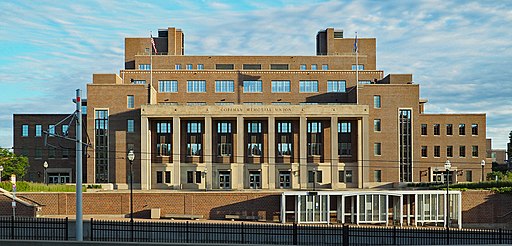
{"x": 145, "y": 154}
{"x": 334, "y": 152}
{"x": 208, "y": 149}
{"x": 176, "y": 154}
{"x": 271, "y": 170}
{"x": 240, "y": 155}
{"x": 303, "y": 155}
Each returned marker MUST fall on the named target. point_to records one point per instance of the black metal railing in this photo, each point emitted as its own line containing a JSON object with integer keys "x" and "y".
{"x": 28, "y": 228}
{"x": 291, "y": 234}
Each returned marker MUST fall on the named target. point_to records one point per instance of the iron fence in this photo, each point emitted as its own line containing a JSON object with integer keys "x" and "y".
{"x": 28, "y": 228}
{"x": 290, "y": 234}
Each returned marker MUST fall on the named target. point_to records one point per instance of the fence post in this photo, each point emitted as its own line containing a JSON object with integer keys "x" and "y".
{"x": 242, "y": 232}
{"x": 294, "y": 233}
{"x": 92, "y": 230}
{"x": 345, "y": 235}
{"x": 447, "y": 235}
{"x": 187, "y": 232}
{"x": 67, "y": 229}
{"x": 12, "y": 227}
{"x": 394, "y": 235}
{"x": 501, "y": 236}
{"x": 131, "y": 230}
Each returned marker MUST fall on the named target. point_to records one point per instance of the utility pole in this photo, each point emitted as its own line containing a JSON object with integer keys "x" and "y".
{"x": 79, "y": 219}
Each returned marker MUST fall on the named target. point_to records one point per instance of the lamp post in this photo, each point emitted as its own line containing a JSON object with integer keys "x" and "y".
{"x": 131, "y": 157}
{"x": 206, "y": 178}
{"x": 45, "y": 165}
{"x": 1, "y": 170}
{"x": 447, "y": 166}
{"x": 483, "y": 165}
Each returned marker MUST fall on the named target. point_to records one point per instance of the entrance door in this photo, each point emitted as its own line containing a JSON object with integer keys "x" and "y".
{"x": 285, "y": 181}
{"x": 255, "y": 180}
{"x": 224, "y": 180}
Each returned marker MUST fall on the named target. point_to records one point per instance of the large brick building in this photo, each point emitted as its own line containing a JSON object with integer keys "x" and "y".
{"x": 328, "y": 121}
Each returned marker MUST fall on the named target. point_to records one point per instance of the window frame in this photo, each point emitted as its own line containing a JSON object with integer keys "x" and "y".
{"x": 336, "y": 86}
{"x": 196, "y": 86}
{"x": 280, "y": 86}
{"x": 252, "y": 86}
{"x": 308, "y": 86}
{"x": 130, "y": 101}
{"x": 224, "y": 86}
{"x": 168, "y": 86}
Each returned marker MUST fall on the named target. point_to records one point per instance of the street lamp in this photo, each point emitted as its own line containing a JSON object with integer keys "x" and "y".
{"x": 206, "y": 178}
{"x": 1, "y": 169}
{"x": 447, "y": 166}
{"x": 483, "y": 165}
{"x": 45, "y": 165}
{"x": 131, "y": 157}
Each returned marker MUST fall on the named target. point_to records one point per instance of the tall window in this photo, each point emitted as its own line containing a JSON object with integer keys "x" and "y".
{"x": 168, "y": 86}
{"x": 101, "y": 146}
{"x": 284, "y": 138}
{"x": 449, "y": 129}
{"x": 144, "y": 66}
{"x": 469, "y": 175}
{"x": 377, "y": 149}
{"x": 312, "y": 178}
{"x": 376, "y": 101}
{"x": 253, "y": 86}
{"x": 424, "y": 129}
{"x": 177, "y": 66}
{"x": 462, "y": 151}
{"x": 163, "y": 138}
{"x": 313, "y": 67}
{"x": 224, "y": 86}
{"x": 314, "y": 138}
{"x": 130, "y": 101}
{"x": 449, "y": 151}
{"x": 345, "y": 138}
{"x": 280, "y": 86}
{"x": 462, "y": 129}
{"x": 437, "y": 151}
{"x": 437, "y": 129}
{"x": 200, "y": 66}
{"x": 51, "y": 130}
{"x": 325, "y": 67}
{"x": 474, "y": 151}
{"x": 189, "y": 67}
{"x": 51, "y": 152}
{"x": 424, "y": 151}
{"x": 405, "y": 145}
{"x": 24, "y": 130}
{"x": 65, "y": 130}
{"x": 194, "y": 138}
{"x": 193, "y": 177}
{"x": 130, "y": 126}
{"x": 377, "y": 175}
{"x": 39, "y": 130}
{"x": 376, "y": 125}
{"x": 336, "y": 86}
{"x": 255, "y": 138}
{"x": 474, "y": 129}
{"x": 194, "y": 86}
{"x": 308, "y": 86}
{"x": 303, "y": 67}
{"x": 224, "y": 138}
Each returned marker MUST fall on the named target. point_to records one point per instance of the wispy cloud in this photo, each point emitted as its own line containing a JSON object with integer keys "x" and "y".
{"x": 459, "y": 51}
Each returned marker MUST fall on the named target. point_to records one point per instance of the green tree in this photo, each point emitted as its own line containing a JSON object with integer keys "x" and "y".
{"x": 12, "y": 163}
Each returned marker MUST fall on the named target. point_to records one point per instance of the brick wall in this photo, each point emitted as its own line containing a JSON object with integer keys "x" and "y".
{"x": 21, "y": 210}
{"x": 486, "y": 207}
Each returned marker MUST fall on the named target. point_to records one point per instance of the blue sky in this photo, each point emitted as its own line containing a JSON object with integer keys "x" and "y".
{"x": 460, "y": 52}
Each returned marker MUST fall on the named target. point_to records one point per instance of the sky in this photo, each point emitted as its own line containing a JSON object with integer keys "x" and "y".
{"x": 460, "y": 52}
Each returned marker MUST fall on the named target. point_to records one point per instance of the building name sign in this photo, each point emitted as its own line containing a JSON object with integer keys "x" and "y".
{"x": 262, "y": 109}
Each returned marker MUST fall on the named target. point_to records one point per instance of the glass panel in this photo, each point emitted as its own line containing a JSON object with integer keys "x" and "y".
{"x": 383, "y": 208}
{"x": 362, "y": 211}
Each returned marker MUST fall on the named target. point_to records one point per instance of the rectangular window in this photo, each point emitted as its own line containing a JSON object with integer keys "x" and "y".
{"x": 376, "y": 102}
{"x": 193, "y": 177}
{"x": 474, "y": 150}
{"x": 189, "y": 67}
{"x": 469, "y": 175}
{"x": 358, "y": 67}
{"x": 449, "y": 151}
{"x": 65, "y": 130}
{"x": 24, "y": 130}
{"x": 198, "y": 177}
{"x": 39, "y": 130}
{"x": 51, "y": 130}
{"x": 251, "y": 66}
{"x": 65, "y": 153}
{"x": 437, "y": 129}
{"x": 345, "y": 149}
{"x": 280, "y": 86}
{"x": 255, "y": 138}
{"x": 303, "y": 67}
{"x": 51, "y": 152}
{"x": 474, "y": 129}
{"x": 138, "y": 82}
{"x": 341, "y": 176}
{"x": 253, "y": 86}
{"x": 449, "y": 129}
{"x": 462, "y": 129}
{"x": 194, "y": 138}
{"x": 167, "y": 86}
{"x": 200, "y": 66}
{"x": 38, "y": 153}
{"x": 130, "y": 101}
{"x": 314, "y": 132}
{"x": 377, "y": 175}
{"x": 177, "y": 66}
{"x": 224, "y": 86}
{"x": 348, "y": 176}
{"x": 308, "y": 86}
{"x": 344, "y": 127}
{"x": 224, "y": 138}
{"x": 163, "y": 138}
{"x": 224, "y": 66}
{"x": 159, "y": 177}
{"x": 130, "y": 126}
{"x": 145, "y": 66}
{"x": 377, "y": 149}
{"x": 376, "y": 125}
{"x": 437, "y": 151}
{"x": 284, "y": 138}
{"x": 424, "y": 151}
{"x": 196, "y": 86}
{"x": 279, "y": 66}
{"x": 224, "y": 103}
{"x": 336, "y": 86}
{"x": 462, "y": 151}
{"x": 424, "y": 129}
{"x": 196, "y": 104}
{"x": 313, "y": 67}
{"x": 325, "y": 67}
{"x": 101, "y": 150}
{"x": 365, "y": 82}
{"x": 167, "y": 177}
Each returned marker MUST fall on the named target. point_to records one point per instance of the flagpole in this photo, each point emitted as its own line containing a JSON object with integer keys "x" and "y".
{"x": 150, "y": 66}
{"x": 357, "y": 69}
